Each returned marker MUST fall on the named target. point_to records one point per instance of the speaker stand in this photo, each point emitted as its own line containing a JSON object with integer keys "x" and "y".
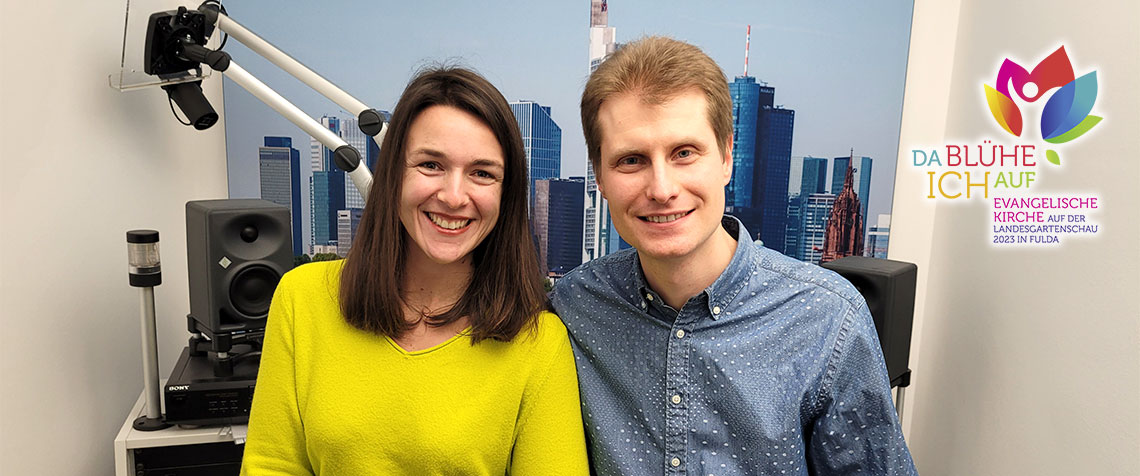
{"x": 218, "y": 346}
{"x": 900, "y": 384}
{"x": 900, "y": 399}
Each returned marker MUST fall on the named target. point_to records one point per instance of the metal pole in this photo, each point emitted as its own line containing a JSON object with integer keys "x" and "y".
{"x": 361, "y": 177}
{"x": 900, "y": 399}
{"x": 290, "y": 65}
{"x": 291, "y": 112}
{"x": 150, "y": 356}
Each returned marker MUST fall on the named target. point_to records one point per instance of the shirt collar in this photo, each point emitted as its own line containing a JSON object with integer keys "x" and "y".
{"x": 725, "y": 288}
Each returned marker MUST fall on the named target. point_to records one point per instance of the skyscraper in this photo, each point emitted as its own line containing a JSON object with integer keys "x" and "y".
{"x": 347, "y": 221}
{"x": 814, "y": 214}
{"x": 761, "y": 158}
{"x": 280, "y": 176}
{"x": 602, "y": 36}
{"x": 558, "y": 209}
{"x": 542, "y": 140}
{"x": 596, "y": 216}
{"x": 762, "y": 153}
{"x": 590, "y": 232}
{"x": 326, "y": 189}
{"x": 814, "y": 176}
{"x": 794, "y": 234}
{"x": 322, "y": 157}
{"x": 371, "y": 151}
{"x": 878, "y": 237}
{"x": 862, "y": 183}
{"x": 813, "y": 180}
{"x": 773, "y": 161}
{"x": 351, "y": 133}
{"x": 327, "y": 198}
{"x": 745, "y": 94}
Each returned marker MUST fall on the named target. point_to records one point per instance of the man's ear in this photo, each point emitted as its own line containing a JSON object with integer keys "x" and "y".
{"x": 598, "y": 182}
{"x": 727, "y": 160}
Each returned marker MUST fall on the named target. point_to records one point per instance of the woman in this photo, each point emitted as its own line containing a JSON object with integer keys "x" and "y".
{"x": 426, "y": 351}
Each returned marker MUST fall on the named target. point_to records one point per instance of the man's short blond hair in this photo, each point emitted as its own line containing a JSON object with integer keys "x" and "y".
{"x": 656, "y": 69}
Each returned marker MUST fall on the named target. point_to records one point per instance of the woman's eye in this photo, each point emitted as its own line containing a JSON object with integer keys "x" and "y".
{"x": 430, "y": 165}
{"x": 484, "y": 176}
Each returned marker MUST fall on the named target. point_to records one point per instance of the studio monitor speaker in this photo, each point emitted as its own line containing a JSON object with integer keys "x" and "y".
{"x": 888, "y": 287}
{"x": 236, "y": 250}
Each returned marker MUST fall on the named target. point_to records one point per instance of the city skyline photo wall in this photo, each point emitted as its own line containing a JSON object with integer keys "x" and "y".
{"x": 817, "y": 103}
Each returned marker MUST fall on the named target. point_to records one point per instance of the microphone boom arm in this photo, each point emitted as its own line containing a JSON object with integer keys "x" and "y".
{"x": 346, "y": 156}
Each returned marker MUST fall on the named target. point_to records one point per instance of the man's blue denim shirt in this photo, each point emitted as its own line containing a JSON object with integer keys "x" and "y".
{"x": 774, "y": 369}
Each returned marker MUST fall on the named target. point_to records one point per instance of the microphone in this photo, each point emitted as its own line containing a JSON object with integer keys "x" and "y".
{"x": 189, "y": 98}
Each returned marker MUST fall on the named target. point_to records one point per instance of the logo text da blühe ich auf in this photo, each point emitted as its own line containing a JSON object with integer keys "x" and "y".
{"x": 1003, "y": 172}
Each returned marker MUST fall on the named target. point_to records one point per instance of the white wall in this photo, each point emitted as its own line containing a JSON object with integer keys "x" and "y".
{"x": 1025, "y": 361}
{"x": 81, "y": 165}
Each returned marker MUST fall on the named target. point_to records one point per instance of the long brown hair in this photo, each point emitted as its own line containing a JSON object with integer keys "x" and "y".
{"x": 505, "y": 293}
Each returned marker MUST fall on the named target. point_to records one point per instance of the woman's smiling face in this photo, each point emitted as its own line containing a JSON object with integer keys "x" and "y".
{"x": 452, "y": 185}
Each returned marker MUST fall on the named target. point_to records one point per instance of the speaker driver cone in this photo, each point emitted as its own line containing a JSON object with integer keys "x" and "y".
{"x": 251, "y": 290}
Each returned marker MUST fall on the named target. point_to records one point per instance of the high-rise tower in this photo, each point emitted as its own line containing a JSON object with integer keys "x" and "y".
{"x": 816, "y": 208}
{"x": 770, "y": 175}
{"x": 745, "y": 108}
{"x": 596, "y": 216}
{"x": 558, "y": 223}
{"x": 801, "y": 207}
{"x": 351, "y": 133}
{"x": 814, "y": 176}
{"x": 762, "y": 156}
{"x": 542, "y": 140}
{"x": 326, "y": 189}
{"x": 347, "y": 221}
{"x": 280, "y": 176}
{"x": 602, "y": 41}
{"x": 878, "y": 237}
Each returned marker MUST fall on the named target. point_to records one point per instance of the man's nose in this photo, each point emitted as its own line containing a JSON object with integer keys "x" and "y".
{"x": 662, "y": 183}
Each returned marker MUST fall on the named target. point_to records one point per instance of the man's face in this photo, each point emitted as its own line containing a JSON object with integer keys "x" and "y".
{"x": 663, "y": 173}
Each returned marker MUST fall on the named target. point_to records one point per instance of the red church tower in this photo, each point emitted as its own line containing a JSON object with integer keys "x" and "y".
{"x": 844, "y": 235}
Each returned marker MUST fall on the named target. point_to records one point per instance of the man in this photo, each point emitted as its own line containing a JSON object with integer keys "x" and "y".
{"x": 699, "y": 351}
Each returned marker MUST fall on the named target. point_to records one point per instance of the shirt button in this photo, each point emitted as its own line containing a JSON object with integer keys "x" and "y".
{"x": 675, "y": 462}
{"x": 649, "y": 297}
{"x": 676, "y": 399}
{"x": 680, "y": 333}
{"x": 716, "y": 309}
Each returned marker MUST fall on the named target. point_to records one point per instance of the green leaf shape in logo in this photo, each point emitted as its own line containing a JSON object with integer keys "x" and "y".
{"x": 1052, "y": 157}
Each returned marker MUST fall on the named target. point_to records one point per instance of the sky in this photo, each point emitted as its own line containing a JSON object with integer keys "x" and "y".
{"x": 839, "y": 64}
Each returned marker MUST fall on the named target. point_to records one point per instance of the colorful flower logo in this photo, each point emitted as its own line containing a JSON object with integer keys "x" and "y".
{"x": 1066, "y": 114}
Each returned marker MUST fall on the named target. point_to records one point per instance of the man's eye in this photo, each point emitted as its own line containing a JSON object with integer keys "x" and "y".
{"x": 628, "y": 161}
{"x": 685, "y": 153}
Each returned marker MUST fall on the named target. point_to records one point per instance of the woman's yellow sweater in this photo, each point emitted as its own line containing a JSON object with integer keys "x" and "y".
{"x": 334, "y": 400}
